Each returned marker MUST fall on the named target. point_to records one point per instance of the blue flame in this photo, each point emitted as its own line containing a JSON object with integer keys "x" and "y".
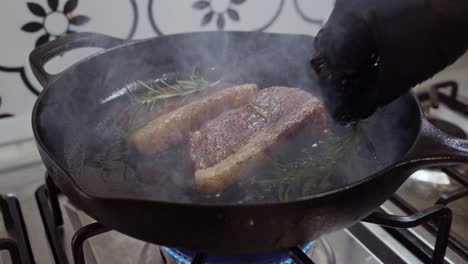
{"x": 282, "y": 257}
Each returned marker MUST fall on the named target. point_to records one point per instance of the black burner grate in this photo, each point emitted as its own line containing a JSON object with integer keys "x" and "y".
{"x": 51, "y": 214}
{"x": 445, "y": 199}
{"x": 437, "y": 214}
{"x": 18, "y": 244}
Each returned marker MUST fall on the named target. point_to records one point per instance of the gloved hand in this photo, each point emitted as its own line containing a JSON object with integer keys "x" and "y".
{"x": 372, "y": 51}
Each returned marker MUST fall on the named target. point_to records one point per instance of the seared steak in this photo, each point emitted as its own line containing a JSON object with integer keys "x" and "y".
{"x": 236, "y": 141}
{"x": 174, "y": 126}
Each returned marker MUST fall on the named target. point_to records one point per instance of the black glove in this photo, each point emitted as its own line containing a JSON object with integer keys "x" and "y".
{"x": 372, "y": 51}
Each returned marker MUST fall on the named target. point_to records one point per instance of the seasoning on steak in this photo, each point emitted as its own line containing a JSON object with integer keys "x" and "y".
{"x": 236, "y": 142}
{"x": 174, "y": 126}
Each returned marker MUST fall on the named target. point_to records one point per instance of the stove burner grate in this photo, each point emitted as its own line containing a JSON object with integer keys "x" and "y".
{"x": 422, "y": 250}
{"x": 18, "y": 244}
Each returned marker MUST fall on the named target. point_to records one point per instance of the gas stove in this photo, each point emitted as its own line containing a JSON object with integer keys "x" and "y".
{"x": 425, "y": 221}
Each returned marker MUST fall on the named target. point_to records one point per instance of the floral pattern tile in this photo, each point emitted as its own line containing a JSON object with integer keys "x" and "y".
{"x": 52, "y": 21}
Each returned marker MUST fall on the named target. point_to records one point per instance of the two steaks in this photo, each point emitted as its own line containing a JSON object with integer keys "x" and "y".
{"x": 231, "y": 132}
{"x": 174, "y": 126}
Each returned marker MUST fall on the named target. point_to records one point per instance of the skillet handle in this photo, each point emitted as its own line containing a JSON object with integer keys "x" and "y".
{"x": 435, "y": 148}
{"x": 39, "y": 56}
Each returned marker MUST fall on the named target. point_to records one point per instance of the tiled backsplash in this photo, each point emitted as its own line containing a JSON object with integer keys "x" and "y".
{"x": 26, "y": 24}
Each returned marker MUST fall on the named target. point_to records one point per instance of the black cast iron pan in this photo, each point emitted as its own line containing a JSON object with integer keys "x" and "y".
{"x": 401, "y": 135}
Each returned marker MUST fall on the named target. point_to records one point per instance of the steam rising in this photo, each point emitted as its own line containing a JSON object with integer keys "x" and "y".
{"x": 82, "y": 117}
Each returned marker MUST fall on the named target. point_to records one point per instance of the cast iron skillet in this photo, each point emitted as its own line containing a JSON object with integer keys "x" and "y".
{"x": 402, "y": 136}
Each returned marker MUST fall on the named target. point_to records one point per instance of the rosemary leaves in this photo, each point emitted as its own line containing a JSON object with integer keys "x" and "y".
{"x": 265, "y": 111}
{"x": 161, "y": 89}
{"x": 301, "y": 177}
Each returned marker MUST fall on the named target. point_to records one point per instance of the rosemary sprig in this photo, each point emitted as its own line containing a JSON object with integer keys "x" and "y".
{"x": 150, "y": 88}
{"x": 263, "y": 111}
{"x": 259, "y": 110}
{"x": 302, "y": 176}
{"x": 161, "y": 89}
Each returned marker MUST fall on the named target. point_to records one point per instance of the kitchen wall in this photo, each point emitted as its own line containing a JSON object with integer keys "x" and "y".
{"x": 26, "y": 24}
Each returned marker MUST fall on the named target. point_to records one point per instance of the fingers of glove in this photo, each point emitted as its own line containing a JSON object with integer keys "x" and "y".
{"x": 345, "y": 44}
{"x": 345, "y": 48}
